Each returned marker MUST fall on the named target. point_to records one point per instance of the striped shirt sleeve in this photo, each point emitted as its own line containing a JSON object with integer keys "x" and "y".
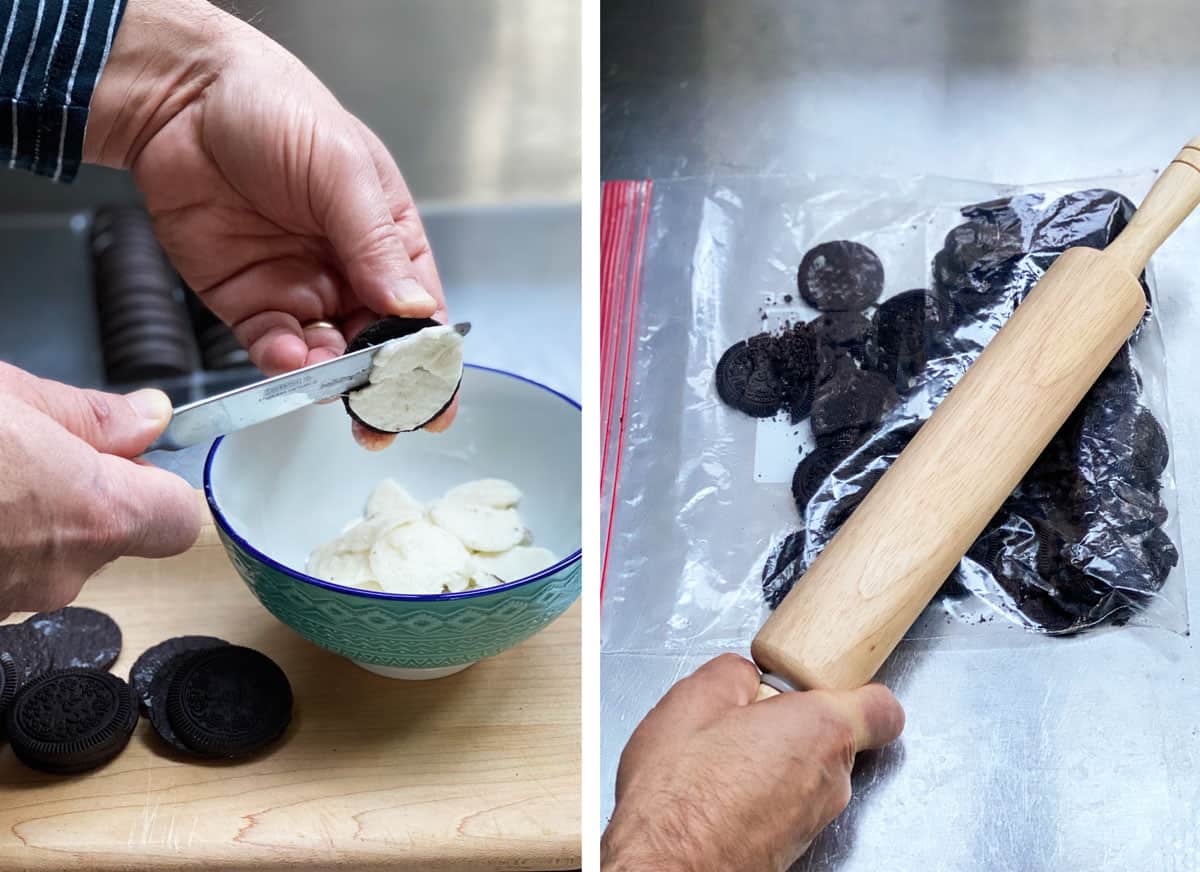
{"x": 51, "y": 55}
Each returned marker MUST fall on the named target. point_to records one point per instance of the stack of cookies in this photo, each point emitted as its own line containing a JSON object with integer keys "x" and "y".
{"x": 145, "y": 331}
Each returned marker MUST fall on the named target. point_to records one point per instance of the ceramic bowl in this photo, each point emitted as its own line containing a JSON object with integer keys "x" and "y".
{"x": 279, "y": 489}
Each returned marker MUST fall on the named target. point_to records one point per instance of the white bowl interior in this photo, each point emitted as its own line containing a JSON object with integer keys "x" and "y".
{"x": 289, "y": 484}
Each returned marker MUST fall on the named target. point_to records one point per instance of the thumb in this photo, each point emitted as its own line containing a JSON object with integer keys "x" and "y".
{"x": 356, "y": 217}
{"x": 110, "y": 423}
{"x": 873, "y": 715}
{"x": 157, "y": 513}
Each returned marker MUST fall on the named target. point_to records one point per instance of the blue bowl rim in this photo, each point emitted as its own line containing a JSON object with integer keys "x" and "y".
{"x": 224, "y": 524}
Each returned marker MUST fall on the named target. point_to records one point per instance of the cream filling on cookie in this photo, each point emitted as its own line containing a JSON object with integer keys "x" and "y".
{"x": 411, "y": 380}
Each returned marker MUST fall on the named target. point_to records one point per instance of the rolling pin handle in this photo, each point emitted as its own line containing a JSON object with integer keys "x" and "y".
{"x": 1174, "y": 195}
{"x": 772, "y": 685}
{"x": 765, "y": 691}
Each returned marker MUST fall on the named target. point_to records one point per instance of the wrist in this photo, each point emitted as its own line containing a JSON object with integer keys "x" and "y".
{"x": 163, "y": 57}
{"x": 626, "y": 847}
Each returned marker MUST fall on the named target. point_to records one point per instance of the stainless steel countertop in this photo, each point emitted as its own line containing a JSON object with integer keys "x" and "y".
{"x": 1081, "y": 755}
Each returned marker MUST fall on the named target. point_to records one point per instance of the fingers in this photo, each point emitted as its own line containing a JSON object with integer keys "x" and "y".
{"x": 372, "y": 440}
{"x": 110, "y": 423}
{"x": 443, "y": 421}
{"x": 267, "y": 306}
{"x": 404, "y": 213}
{"x": 878, "y": 717}
{"x": 727, "y": 682}
{"x": 324, "y": 343}
{"x": 274, "y": 340}
{"x": 355, "y": 322}
{"x": 152, "y": 512}
{"x": 356, "y": 217}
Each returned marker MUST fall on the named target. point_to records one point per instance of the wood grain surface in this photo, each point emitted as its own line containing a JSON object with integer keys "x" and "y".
{"x": 480, "y": 770}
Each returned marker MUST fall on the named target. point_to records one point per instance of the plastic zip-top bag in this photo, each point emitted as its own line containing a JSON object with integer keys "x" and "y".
{"x": 792, "y": 335}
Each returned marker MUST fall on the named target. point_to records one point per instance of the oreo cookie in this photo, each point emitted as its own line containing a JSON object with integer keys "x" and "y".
{"x": 156, "y": 712}
{"x": 1149, "y": 451}
{"x": 842, "y": 442}
{"x": 383, "y": 331}
{"x": 794, "y": 356}
{"x": 1161, "y": 554}
{"x": 10, "y": 682}
{"x": 840, "y": 276}
{"x": 1049, "y": 551}
{"x": 30, "y": 655}
{"x": 853, "y": 331}
{"x": 906, "y": 326}
{"x": 76, "y": 637}
{"x": 978, "y": 255}
{"x": 146, "y": 668}
{"x": 811, "y": 472}
{"x": 228, "y": 701}
{"x": 1090, "y": 218}
{"x": 852, "y": 400}
{"x": 840, "y": 512}
{"x": 71, "y": 720}
{"x": 746, "y": 378}
{"x": 783, "y": 568}
{"x": 892, "y": 441}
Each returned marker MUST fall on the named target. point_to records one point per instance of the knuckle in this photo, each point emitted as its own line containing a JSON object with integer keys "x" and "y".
{"x": 837, "y": 742}
{"x": 844, "y": 748}
{"x": 95, "y": 411}
{"x": 56, "y": 596}
{"x": 109, "y": 524}
{"x": 735, "y": 662}
{"x": 344, "y": 146}
{"x": 413, "y": 237}
{"x": 378, "y": 242}
{"x": 43, "y": 592}
{"x": 840, "y": 795}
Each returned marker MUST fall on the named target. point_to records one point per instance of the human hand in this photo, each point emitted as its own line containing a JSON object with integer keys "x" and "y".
{"x": 712, "y": 780}
{"x": 72, "y": 498}
{"x": 276, "y": 205}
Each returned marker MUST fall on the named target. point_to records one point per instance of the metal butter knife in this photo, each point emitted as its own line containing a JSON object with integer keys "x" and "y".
{"x": 205, "y": 420}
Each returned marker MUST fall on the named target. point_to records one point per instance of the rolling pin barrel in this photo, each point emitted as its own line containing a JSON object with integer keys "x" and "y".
{"x": 859, "y": 597}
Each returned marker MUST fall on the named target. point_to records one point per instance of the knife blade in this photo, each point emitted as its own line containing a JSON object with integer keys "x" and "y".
{"x": 206, "y": 419}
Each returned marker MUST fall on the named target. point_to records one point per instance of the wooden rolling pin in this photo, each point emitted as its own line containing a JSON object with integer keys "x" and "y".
{"x": 841, "y": 621}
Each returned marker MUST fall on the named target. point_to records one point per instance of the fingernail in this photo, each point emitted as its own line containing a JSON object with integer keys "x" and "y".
{"x": 410, "y": 293}
{"x": 150, "y": 404}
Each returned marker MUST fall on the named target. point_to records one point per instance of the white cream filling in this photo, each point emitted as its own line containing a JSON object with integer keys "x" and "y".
{"x": 494, "y": 492}
{"x": 420, "y": 558}
{"x": 516, "y": 563}
{"x": 411, "y": 379}
{"x": 472, "y": 537}
{"x": 479, "y": 527}
{"x": 391, "y": 502}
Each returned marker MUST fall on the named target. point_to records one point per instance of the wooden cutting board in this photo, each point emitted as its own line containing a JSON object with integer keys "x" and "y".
{"x": 480, "y": 770}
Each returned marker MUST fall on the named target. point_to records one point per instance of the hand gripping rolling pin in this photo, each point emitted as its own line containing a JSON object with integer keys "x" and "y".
{"x": 844, "y": 617}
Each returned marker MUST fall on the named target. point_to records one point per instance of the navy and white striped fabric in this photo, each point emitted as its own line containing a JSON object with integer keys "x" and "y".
{"x": 51, "y": 55}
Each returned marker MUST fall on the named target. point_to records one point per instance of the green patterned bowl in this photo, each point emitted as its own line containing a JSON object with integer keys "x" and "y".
{"x": 279, "y": 489}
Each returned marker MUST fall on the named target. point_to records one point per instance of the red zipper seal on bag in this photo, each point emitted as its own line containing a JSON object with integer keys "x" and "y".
{"x": 624, "y": 215}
